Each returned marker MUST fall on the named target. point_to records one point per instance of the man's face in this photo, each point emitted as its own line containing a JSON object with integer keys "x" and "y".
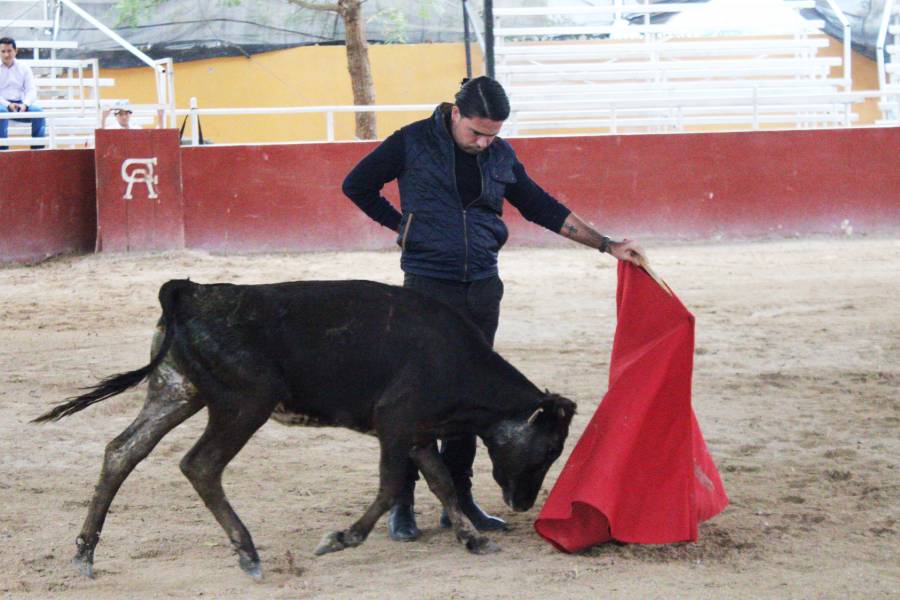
{"x": 472, "y": 135}
{"x": 7, "y": 54}
{"x": 124, "y": 118}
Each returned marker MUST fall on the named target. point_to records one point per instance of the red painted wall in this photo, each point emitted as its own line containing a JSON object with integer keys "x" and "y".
{"x": 140, "y": 205}
{"x": 673, "y": 186}
{"x": 736, "y": 184}
{"x": 276, "y": 197}
{"x": 47, "y": 204}
{"x": 288, "y": 197}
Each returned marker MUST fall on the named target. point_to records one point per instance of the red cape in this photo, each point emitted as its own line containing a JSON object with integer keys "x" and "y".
{"x": 641, "y": 472}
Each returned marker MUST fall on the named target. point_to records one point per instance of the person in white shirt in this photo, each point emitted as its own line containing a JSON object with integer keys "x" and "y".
{"x": 121, "y": 110}
{"x": 17, "y": 91}
{"x": 122, "y": 113}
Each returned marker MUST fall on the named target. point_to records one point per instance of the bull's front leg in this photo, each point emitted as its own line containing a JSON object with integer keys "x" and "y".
{"x": 441, "y": 485}
{"x": 392, "y": 475}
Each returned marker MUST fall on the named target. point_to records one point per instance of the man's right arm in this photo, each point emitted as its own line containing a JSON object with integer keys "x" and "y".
{"x": 364, "y": 183}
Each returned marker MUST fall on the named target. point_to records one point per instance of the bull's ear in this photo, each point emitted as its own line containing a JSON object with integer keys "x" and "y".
{"x": 563, "y": 408}
{"x": 554, "y": 409}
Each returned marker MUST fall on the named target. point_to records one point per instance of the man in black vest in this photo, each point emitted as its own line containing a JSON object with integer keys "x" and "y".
{"x": 453, "y": 173}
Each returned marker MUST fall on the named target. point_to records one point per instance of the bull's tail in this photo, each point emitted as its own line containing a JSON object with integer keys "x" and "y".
{"x": 116, "y": 384}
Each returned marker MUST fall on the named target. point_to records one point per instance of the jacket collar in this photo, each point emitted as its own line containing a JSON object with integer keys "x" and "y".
{"x": 440, "y": 119}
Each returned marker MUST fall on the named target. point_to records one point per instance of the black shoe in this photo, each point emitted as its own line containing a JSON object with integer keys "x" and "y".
{"x": 480, "y": 519}
{"x": 402, "y": 523}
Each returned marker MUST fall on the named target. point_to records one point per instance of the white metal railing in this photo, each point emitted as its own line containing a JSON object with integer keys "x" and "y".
{"x": 639, "y": 31}
{"x": 667, "y": 48}
{"x": 738, "y": 108}
{"x": 888, "y": 64}
{"x": 195, "y": 112}
{"x": 738, "y": 111}
{"x": 42, "y": 44}
{"x": 662, "y": 71}
{"x": 70, "y": 125}
{"x": 619, "y": 9}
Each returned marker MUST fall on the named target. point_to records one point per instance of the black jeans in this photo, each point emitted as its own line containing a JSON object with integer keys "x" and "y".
{"x": 478, "y": 301}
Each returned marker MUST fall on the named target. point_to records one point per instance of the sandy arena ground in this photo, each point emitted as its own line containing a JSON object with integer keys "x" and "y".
{"x": 795, "y": 388}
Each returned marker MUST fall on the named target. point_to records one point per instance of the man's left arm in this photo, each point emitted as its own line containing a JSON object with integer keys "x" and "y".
{"x": 29, "y": 91}
{"x": 577, "y": 230}
{"x": 538, "y": 206}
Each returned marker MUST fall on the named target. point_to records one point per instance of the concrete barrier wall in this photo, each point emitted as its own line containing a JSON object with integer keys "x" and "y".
{"x": 688, "y": 186}
{"x": 673, "y": 186}
{"x": 733, "y": 184}
{"x": 47, "y": 204}
{"x": 275, "y": 197}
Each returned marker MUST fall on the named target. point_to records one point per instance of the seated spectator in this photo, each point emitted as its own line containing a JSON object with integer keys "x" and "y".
{"x": 17, "y": 91}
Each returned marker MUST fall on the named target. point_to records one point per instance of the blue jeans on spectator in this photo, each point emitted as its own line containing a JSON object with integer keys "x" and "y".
{"x": 38, "y": 126}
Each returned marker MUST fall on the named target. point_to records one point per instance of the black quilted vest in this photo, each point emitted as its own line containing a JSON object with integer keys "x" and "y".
{"x": 440, "y": 237}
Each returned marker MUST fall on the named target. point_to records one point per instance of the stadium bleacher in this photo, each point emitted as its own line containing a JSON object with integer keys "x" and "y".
{"x": 68, "y": 90}
{"x": 566, "y": 69}
{"x": 617, "y": 67}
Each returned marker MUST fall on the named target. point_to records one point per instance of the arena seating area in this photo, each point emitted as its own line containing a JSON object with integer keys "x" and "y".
{"x": 669, "y": 76}
{"x": 615, "y": 67}
{"x": 68, "y": 90}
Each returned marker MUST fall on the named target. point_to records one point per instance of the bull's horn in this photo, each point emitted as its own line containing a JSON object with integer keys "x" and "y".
{"x": 534, "y": 415}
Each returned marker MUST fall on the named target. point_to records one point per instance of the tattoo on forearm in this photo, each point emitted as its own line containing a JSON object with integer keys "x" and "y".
{"x": 571, "y": 229}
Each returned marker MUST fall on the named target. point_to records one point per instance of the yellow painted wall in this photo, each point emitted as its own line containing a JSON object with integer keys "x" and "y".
{"x": 317, "y": 76}
{"x": 307, "y": 76}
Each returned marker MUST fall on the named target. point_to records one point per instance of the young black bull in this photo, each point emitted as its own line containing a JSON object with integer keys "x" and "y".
{"x": 375, "y": 358}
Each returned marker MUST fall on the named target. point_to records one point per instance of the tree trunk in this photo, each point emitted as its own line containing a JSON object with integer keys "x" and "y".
{"x": 358, "y": 65}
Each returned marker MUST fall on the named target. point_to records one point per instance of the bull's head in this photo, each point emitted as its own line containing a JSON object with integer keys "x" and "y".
{"x": 523, "y": 449}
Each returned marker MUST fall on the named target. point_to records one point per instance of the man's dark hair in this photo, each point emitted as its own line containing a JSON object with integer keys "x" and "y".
{"x": 10, "y": 41}
{"x": 484, "y": 98}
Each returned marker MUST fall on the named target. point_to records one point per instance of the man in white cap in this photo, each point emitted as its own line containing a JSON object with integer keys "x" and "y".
{"x": 122, "y": 113}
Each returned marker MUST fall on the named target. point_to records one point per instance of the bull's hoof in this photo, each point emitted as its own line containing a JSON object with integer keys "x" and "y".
{"x": 84, "y": 555}
{"x": 337, "y": 540}
{"x": 84, "y": 565}
{"x": 482, "y": 522}
{"x": 481, "y": 545}
{"x": 251, "y": 568}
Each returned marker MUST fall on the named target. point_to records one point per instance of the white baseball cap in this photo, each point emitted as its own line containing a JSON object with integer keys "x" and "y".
{"x": 121, "y": 106}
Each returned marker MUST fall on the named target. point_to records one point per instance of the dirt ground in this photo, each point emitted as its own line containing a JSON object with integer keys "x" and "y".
{"x": 795, "y": 388}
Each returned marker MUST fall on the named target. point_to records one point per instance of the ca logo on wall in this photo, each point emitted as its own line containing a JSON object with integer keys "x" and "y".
{"x": 128, "y": 162}
{"x": 140, "y": 170}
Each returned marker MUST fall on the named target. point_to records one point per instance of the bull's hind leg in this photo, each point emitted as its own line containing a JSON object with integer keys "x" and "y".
{"x": 441, "y": 485}
{"x": 225, "y": 435}
{"x": 170, "y": 401}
